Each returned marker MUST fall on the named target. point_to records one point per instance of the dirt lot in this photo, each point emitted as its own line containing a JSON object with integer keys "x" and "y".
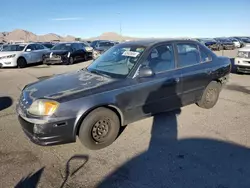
{"x": 190, "y": 148}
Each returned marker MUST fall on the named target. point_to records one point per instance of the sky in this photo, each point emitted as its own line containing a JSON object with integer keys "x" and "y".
{"x": 137, "y": 18}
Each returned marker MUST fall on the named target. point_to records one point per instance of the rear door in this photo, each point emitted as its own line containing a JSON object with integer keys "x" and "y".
{"x": 193, "y": 61}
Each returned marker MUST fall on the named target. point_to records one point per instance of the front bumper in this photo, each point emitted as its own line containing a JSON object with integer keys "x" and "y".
{"x": 47, "y": 133}
{"x": 242, "y": 64}
{"x": 60, "y": 60}
{"x": 7, "y": 63}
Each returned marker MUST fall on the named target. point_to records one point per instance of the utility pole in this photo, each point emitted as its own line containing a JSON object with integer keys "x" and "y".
{"x": 120, "y": 24}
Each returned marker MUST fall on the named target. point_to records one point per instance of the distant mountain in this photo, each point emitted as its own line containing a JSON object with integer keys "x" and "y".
{"x": 26, "y": 36}
{"x": 23, "y": 35}
{"x": 112, "y": 36}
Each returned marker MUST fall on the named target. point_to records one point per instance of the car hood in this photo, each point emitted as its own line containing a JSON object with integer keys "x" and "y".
{"x": 58, "y": 52}
{"x": 63, "y": 85}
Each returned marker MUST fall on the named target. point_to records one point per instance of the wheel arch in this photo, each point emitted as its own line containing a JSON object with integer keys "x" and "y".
{"x": 112, "y": 107}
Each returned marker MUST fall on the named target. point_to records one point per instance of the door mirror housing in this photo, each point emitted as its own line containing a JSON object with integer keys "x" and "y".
{"x": 145, "y": 71}
{"x": 28, "y": 50}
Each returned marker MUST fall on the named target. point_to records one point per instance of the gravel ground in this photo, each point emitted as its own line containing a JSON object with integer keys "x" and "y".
{"x": 189, "y": 148}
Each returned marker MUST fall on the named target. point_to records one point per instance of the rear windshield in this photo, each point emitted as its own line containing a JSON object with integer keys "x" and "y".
{"x": 106, "y": 44}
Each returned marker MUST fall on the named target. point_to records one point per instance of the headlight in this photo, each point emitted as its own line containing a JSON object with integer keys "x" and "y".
{"x": 43, "y": 107}
{"x": 88, "y": 49}
{"x": 96, "y": 52}
{"x": 8, "y": 56}
{"x": 243, "y": 54}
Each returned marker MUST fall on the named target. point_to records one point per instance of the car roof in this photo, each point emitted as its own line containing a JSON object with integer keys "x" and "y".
{"x": 151, "y": 42}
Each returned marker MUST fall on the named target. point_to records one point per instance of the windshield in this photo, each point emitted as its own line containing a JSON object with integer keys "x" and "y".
{"x": 234, "y": 40}
{"x": 106, "y": 44}
{"x": 17, "y": 47}
{"x": 48, "y": 45}
{"x": 62, "y": 47}
{"x": 245, "y": 39}
{"x": 118, "y": 61}
{"x": 225, "y": 40}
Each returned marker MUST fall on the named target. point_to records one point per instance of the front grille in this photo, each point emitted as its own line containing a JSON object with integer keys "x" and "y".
{"x": 56, "y": 56}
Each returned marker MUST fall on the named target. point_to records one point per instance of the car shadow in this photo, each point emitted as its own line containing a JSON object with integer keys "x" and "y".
{"x": 5, "y": 102}
{"x": 31, "y": 181}
{"x": 242, "y": 89}
{"x": 188, "y": 162}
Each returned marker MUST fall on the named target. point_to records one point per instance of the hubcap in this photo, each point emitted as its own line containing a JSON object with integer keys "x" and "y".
{"x": 211, "y": 95}
{"x": 100, "y": 130}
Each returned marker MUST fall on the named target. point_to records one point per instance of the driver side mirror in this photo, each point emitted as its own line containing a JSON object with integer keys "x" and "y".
{"x": 28, "y": 50}
{"x": 145, "y": 72}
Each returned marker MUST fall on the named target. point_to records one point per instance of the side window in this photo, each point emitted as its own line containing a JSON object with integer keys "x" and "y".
{"x": 188, "y": 54}
{"x": 31, "y": 46}
{"x": 204, "y": 56}
{"x": 39, "y": 47}
{"x": 161, "y": 58}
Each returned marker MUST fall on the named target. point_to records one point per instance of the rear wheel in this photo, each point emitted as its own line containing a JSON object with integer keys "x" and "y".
{"x": 210, "y": 95}
{"x": 21, "y": 62}
{"x": 99, "y": 129}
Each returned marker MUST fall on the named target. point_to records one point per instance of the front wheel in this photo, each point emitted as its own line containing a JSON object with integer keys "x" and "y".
{"x": 99, "y": 128}
{"x": 21, "y": 62}
{"x": 210, "y": 95}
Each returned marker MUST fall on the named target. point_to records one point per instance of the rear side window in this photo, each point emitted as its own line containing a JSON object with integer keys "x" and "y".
{"x": 205, "y": 57}
{"x": 188, "y": 54}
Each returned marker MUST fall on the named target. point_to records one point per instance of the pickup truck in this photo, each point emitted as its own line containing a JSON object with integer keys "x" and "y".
{"x": 129, "y": 82}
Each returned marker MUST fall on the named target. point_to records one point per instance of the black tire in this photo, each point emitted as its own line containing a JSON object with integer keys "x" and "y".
{"x": 99, "y": 121}
{"x": 21, "y": 62}
{"x": 71, "y": 60}
{"x": 85, "y": 58}
{"x": 210, "y": 95}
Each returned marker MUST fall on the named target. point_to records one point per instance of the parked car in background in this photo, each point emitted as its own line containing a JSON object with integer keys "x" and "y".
{"x": 237, "y": 43}
{"x": 20, "y": 55}
{"x": 68, "y": 53}
{"x": 129, "y": 82}
{"x": 242, "y": 61}
{"x": 210, "y": 43}
{"x": 244, "y": 40}
{"x": 48, "y": 44}
{"x": 225, "y": 43}
{"x": 100, "y": 46}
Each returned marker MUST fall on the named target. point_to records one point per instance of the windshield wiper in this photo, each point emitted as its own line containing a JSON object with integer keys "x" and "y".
{"x": 99, "y": 73}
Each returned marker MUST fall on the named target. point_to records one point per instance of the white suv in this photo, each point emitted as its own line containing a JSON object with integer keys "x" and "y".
{"x": 22, "y": 54}
{"x": 242, "y": 61}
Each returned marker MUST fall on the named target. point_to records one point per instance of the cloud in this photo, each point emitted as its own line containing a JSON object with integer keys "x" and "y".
{"x": 67, "y": 19}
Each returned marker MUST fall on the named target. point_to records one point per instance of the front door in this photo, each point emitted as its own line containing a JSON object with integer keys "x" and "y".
{"x": 158, "y": 93}
{"x": 29, "y": 53}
